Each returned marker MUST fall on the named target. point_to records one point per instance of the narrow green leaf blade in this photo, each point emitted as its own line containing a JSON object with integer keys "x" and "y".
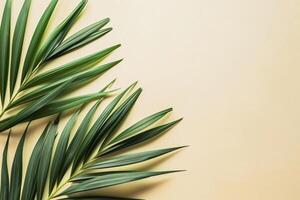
{"x": 139, "y": 138}
{"x": 5, "y": 48}
{"x": 66, "y": 104}
{"x": 45, "y": 159}
{"x": 81, "y": 38}
{"x": 34, "y": 94}
{"x": 96, "y": 127}
{"x": 59, "y": 34}
{"x": 60, "y": 151}
{"x": 17, "y": 43}
{"x": 31, "y": 109}
{"x": 4, "y": 189}
{"x": 110, "y": 180}
{"x": 99, "y": 198}
{"x": 69, "y": 69}
{"x": 113, "y": 122}
{"x": 77, "y": 139}
{"x": 128, "y": 159}
{"x": 37, "y": 39}
{"x": 89, "y": 39}
{"x": 140, "y": 125}
{"x": 17, "y": 169}
{"x": 78, "y": 80}
{"x": 29, "y": 186}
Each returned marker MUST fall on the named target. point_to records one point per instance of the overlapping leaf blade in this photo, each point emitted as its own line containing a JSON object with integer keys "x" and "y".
{"x": 24, "y": 114}
{"x": 129, "y": 159}
{"x": 113, "y": 122}
{"x": 58, "y": 34}
{"x": 17, "y": 44}
{"x": 68, "y": 69}
{"x": 46, "y": 98}
{"x": 60, "y": 152}
{"x": 140, "y": 125}
{"x": 139, "y": 138}
{"x": 5, "y": 48}
{"x": 76, "y": 141}
{"x": 80, "y": 39}
{"x": 45, "y": 159}
{"x": 17, "y": 170}
{"x": 36, "y": 40}
{"x": 66, "y": 104}
{"x": 29, "y": 187}
{"x": 78, "y": 80}
{"x": 4, "y": 188}
{"x": 98, "y": 198}
{"x": 96, "y": 127}
{"x": 110, "y": 180}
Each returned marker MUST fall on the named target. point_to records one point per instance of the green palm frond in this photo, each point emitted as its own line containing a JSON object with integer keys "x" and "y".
{"x": 39, "y": 91}
{"x": 95, "y": 154}
{"x": 85, "y": 158}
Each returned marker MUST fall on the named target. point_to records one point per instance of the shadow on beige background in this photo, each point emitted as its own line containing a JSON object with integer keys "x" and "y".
{"x": 231, "y": 68}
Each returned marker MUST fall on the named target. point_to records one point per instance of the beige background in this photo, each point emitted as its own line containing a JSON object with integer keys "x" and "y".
{"x": 230, "y": 68}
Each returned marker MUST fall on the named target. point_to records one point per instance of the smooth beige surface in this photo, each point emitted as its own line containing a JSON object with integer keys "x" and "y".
{"x": 231, "y": 68}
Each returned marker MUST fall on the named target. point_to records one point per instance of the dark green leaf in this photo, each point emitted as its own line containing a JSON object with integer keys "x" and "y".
{"x": 77, "y": 81}
{"x": 139, "y": 138}
{"x": 36, "y": 40}
{"x": 60, "y": 152}
{"x": 4, "y": 190}
{"x": 92, "y": 73}
{"x": 69, "y": 69}
{"x": 59, "y": 34}
{"x": 29, "y": 186}
{"x": 33, "y": 95}
{"x": 81, "y": 38}
{"x": 110, "y": 180}
{"x": 17, "y": 44}
{"x": 77, "y": 140}
{"x": 45, "y": 159}
{"x": 140, "y": 125}
{"x": 66, "y": 104}
{"x": 128, "y": 159}
{"x": 24, "y": 114}
{"x": 79, "y": 135}
{"x": 5, "y": 48}
{"x": 98, "y": 198}
{"x": 86, "y": 175}
{"x": 96, "y": 127}
{"x": 17, "y": 169}
{"x": 68, "y": 45}
{"x": 89, "y": 39}
{"x": 113, "y": 122}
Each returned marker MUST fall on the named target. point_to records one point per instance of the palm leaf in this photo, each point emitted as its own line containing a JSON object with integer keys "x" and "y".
{"x": 36, "y": 40}
{"x": 69, "y": 76}
{"x": 78, "y": 158}
{"x": 85, "y": 152}
{"x": 108, "y": 180}
{"x": 42, "y": 166}
{"x": 58, "y": 35}
{"x": 17, "y": 44}
{"x": 5, "y": 48}
{"x": 17, "y": 170}
{"x": 81, "y": 38}
{"x": 4, "y": 189}
{"x": 45, "y": 158}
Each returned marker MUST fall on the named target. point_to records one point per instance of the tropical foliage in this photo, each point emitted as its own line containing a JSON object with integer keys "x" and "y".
{"x": 78, "y": 158}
